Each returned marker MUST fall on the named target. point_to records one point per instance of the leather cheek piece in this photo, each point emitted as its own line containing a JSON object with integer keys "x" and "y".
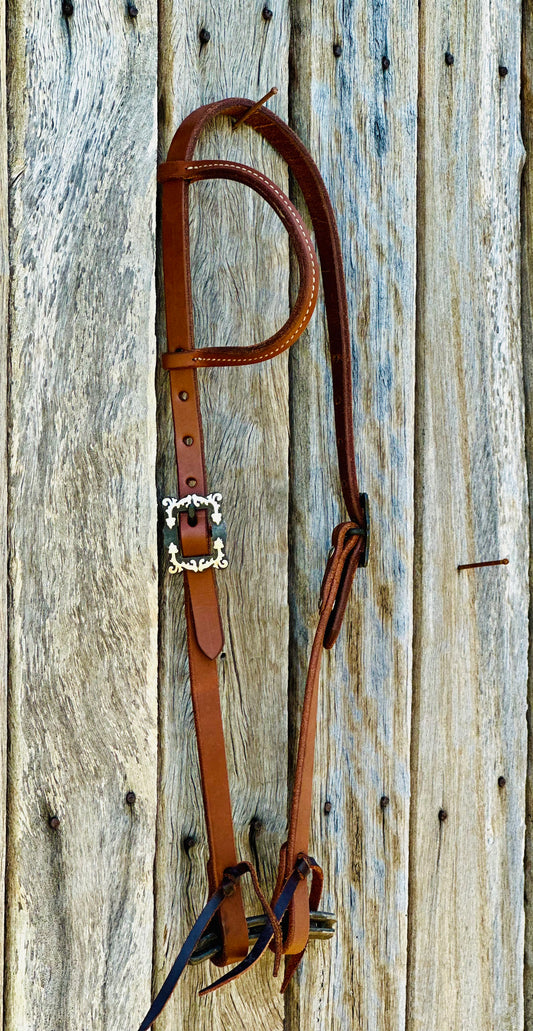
{"x": 291, "y": 900}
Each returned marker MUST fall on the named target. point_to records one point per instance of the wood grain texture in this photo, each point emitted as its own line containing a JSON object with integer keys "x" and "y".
{"x": 240, "y": 273}
{"x": 471, "y": 628}
{"x": 422, "y": 843}
{"x": 4, "y": 314}
{"x": 527, "y": 350}
{"x": 359, "y": 121}
{"x": 83, "y": 575}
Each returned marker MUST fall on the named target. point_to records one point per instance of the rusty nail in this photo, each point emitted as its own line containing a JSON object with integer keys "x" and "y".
{"x": 385, "y": 63}
{"x": 327, "y": 807}
{"x": 384, "y": 801}
{"x": 191, "y": 481}
{"x": 267, "y": 13}
{"x": 54, "y": 822}
{"x": 183, "y": 395}
{"x": 337, "y": 49}
{"x": 478, "y": 565}
{"x": 188, "y": 441}
{"x": 204, "y": 35}
{"x": 443, "y": 815}
{"x": 503, "y": 71}
{"x": 67, "y": 8}
{"x": 130, "y": 797}
{"x": 449, "y": 58}
{"x": 501, "y": 782}
{"x": 132, "y": 11}
{"x": 255, "y": 107}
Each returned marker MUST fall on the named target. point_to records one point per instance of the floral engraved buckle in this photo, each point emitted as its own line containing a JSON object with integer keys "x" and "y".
{"x": 192, "y": 504}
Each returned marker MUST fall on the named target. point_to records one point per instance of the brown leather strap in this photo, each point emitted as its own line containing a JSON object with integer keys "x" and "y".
{"x": 215, "y": 790}
{"x": 345, "y": 543}
{"x": 348, "y": 541}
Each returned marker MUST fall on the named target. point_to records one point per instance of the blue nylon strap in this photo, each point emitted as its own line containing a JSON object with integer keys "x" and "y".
{"x": 162, "y": 997}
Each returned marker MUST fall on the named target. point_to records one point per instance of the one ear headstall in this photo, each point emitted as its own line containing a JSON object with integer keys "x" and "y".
{"x": 195, "y": 538}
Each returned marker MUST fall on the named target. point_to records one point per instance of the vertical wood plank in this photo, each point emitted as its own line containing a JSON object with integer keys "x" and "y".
{"x": 4, "y": 314}
{"x": 466, "y": 900}
{"x": 527, "y": 350}
{"x": 358, "y": 117}
{"x": 83, "y": 576}
{"x": 240, "y": 273}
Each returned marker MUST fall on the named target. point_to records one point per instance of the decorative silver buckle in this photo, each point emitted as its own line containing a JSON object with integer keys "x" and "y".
{"x": 192, "y": 503}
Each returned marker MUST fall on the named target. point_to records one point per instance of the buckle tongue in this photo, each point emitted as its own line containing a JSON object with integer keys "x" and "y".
{"x": 191, "y": 504}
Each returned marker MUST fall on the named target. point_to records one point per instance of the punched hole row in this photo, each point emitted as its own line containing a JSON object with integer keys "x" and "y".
{"x": 191, "y": 481}
{"x": 188, "y": 440}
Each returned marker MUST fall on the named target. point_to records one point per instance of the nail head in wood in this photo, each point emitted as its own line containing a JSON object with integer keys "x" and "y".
{"x": 385, "y": 63}
{"x": 328, "y": 806}
{"x": 67, "y": 8}
{"x": 443, "y": 815}
{"x": 132, "y": 10}
{"x": 337, "y": 49}
{"x": 54, "y": 822}
{"x": 449, "y": 58}
{"x": 503, "y": 71}
{"x": 384, "y": 801}
{"x": 267, "y": 13}
{"x": 188, "y": 843}
{"x": 130, "y": 797}
{"x": 204, "y": 35}
{"x": 501, "y": 782}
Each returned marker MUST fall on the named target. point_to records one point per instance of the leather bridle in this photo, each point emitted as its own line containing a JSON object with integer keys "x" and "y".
{"x": 195, "y": 537}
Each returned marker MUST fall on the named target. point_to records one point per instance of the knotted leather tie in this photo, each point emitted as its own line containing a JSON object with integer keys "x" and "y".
{"x": 197, "y": 547}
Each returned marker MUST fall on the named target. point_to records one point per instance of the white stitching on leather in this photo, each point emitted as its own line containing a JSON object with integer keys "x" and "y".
{"x": 289, "y": 207}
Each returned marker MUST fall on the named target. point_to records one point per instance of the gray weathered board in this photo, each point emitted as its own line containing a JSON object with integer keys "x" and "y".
{"x": 422, "y": 744}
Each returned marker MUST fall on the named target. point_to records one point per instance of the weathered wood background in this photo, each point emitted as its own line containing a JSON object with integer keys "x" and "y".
{"x": 421, "y": 120}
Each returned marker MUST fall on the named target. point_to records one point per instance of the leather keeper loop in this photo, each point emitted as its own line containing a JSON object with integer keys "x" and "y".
{"x": 174, "y": 170}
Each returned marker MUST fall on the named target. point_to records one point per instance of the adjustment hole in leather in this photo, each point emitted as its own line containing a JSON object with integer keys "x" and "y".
{"x": 191, "y": 481}
{"x": 183, "y": 395}
{"x": 188, "y": 441}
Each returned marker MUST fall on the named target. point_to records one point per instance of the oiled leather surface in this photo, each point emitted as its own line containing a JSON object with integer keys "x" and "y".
{"x": 204, "y": 630}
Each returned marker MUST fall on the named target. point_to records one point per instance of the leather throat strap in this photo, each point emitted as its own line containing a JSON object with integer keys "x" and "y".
{"x": 196, "y": 521}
